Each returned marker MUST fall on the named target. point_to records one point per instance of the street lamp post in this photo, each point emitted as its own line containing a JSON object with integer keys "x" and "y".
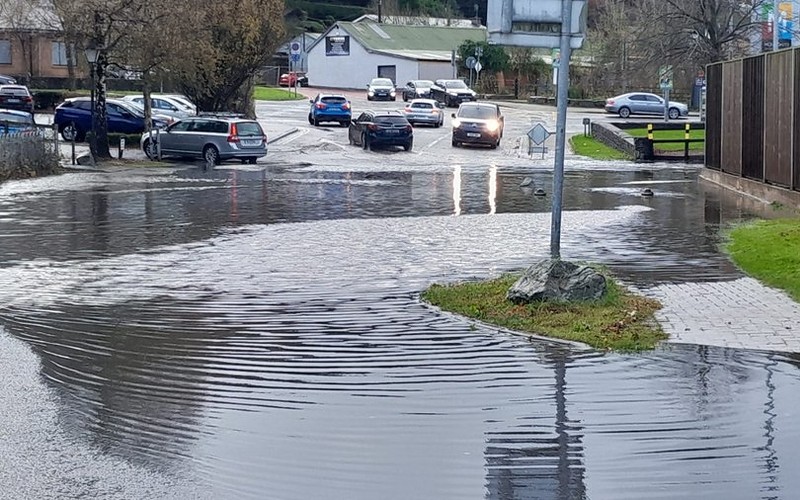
{"x": 91, "y": 53}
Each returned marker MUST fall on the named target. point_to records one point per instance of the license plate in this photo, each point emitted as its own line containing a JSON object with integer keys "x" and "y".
{"x": 473, "y": 134}
{"x": 392, "y": 131}
{"x": 251, "y": 142}
{"x": 13, "y": 100}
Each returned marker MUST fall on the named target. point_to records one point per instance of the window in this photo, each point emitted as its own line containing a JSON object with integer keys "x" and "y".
{"x": 5, "y": 52}
{"x": 59, "y": 50}
{"x": 180, "y": 126}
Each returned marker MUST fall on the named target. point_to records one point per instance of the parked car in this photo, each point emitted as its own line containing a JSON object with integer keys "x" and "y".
{"x": 212, "y": 138}
{"x": 163, "y": 105}
{"x": 74, "y": 118}
{"x": 15, "y": 122}
{"x": 7, "y": 80}
{"x": 417, "y": 89}
{"x": 478, "y": 123}
{"x": 381, "y": 128}
{"x": 182, "y": 99}
{"x": 452, "y": 92}
{"x": 426, "y": 111}
{"x": 381, "y": 89}
{"x": 16, "y": 97}
{"x": 293, "y": 78}
{"x": 643, "y": 103}
{"x": 330, "y": 108}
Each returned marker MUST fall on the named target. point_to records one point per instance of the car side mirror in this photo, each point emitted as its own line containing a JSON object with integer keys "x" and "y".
{"x": 452, "y": 115}
{"x": 311, "y": 101}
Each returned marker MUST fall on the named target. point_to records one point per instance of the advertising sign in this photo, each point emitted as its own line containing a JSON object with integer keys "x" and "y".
{"x": 785, "y": 25}
{"x": 337, "y": 45}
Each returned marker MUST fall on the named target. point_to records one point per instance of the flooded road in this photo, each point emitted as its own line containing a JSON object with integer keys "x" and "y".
{"x": 255, "y": 333}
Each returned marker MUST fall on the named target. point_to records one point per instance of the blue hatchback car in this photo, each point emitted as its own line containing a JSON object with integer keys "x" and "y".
{"x": 74, "y": 118}
{"x": 330, "y": 108}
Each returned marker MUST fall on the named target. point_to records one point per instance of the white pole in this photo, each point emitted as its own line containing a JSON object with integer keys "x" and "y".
{"x": 775, "y": 34}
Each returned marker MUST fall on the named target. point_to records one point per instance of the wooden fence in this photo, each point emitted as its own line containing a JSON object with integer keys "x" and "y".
{"x": 753, "y": 118}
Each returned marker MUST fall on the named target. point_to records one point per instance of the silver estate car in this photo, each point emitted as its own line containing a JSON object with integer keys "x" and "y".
{"x": 425, "y": 111}
{"x": 642, "y": 103}
{"x": 212, "y": 138}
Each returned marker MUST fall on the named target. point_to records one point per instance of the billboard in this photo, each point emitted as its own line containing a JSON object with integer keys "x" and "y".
{"x": 783, "y": 23}
{"x": 337, "y": 45}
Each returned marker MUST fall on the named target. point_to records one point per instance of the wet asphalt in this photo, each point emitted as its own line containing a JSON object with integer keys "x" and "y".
{"x": 255, "y": 332}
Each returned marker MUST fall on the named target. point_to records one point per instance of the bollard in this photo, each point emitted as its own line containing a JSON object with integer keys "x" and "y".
{"x": 121, "y": 147}
{"x": 72, "y": 141}
{"x": 650, "y": 131}
{"x": 687, "y": 129}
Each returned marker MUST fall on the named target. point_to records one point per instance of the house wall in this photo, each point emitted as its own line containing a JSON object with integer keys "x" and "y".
{"x": 353, "y": 71}
{"x": 430, "y": 70}
{"x": 41, "y": 62}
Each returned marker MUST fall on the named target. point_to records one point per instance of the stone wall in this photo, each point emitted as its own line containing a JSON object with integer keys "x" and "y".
{"x": 612, "y": 136}
{"x": 27, "y": 156}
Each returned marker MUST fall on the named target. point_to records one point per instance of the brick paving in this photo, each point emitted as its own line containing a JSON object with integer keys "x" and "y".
{"x": 742, "y": 313}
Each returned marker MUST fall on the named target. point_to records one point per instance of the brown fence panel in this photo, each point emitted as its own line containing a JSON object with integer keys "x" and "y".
{"x": 778, "y": 129}
{"x": 713, "y": 143}
{"x": 731, "y": 150}
{"x": 753, "y": 118}
{"x": 796, "y": 152}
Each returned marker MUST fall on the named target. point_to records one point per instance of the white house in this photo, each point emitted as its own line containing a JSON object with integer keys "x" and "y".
{"x": 350, "y": 54}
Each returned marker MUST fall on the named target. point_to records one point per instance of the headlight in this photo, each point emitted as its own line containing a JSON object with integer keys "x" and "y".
{"x": 456, "y": 123}
{"x": 492, "y": 125}
{"x": 392, "y": 92}
{"x": 371, "y": 92}
{"x": 450, "y": 92}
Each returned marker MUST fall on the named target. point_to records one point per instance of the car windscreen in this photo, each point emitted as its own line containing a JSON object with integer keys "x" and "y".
{"x": 423, "y": 84}
{"x": 334, "y": 100}
{"x": 248, "y": 128}
{"x": 421, "y": 105}
{"x": 132, "y": 108}
{"x": 385, "y": 82}
{"x": 455, "y": 84}
{"x": 15, "y": 118}
{"x": 15, "y": 91}
{"x": 391, "y": 120}
{"x": 477, "y": 112}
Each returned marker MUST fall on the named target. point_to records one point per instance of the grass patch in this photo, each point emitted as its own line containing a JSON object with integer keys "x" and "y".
{"x": 770, "y": 251}
{"x": 619, "y": 321}
{"x": 591, "y": 147}
{"x": 672, "y": 134}
{"x": 276, "y": 94}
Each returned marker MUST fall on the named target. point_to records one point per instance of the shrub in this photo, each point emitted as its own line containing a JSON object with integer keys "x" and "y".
{"x": 27, "y": 156}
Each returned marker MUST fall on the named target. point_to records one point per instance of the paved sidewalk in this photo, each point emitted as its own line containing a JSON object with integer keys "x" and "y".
{"x": 742, "y": 313}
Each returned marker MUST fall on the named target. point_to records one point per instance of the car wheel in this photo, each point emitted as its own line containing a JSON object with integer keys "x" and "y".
{"x": 310, "y": 120}
{"x": 211, "y": 155}
{"x": 345, "y": 124}
{"x": 394, "y": 98}
{"x": 149, "y": 150}
{"x": 455, "y": 143}
{"x": 405, "y": 97}
{"x": 350, "y": 140}
{"x": 624, "y": 112}
{"x": 252, "y": 161}
{"x": 365, "y": 141}
{"x": 316, "y": 121}
{"x": 70, "y": 132}
{"x": 674, "y": 113}
{"x": 407, "y": 146}
{"x": 369, "y": 98}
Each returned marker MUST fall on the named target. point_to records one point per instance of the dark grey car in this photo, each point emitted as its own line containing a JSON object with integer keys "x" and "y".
{"x": 214, "y": 139}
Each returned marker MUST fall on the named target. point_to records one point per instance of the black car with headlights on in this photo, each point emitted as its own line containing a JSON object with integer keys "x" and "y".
{"x": 381, "y": 128}
{"x": 381, "y": 89}
{"x": 417, "y": 89}
{"x": 452, "y": 92}
{"x": 478, "y": 123}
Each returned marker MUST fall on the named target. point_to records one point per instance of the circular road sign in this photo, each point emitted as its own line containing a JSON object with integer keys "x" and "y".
{"x": 294, "y": 48}
{"x": 470, "y": 62}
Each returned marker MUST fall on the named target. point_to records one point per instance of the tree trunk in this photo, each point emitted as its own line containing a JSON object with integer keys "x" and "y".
{"x": 70, "y": 63}
{"x": 148, "y": 106}
{"x": 101, "y": 116}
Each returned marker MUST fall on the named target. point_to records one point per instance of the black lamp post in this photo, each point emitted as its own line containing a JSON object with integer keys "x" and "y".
{"x": 91, "y": 53}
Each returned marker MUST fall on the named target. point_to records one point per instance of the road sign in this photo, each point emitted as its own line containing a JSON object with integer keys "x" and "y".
{"x": 538, "y": 134}
{"x": 295, "y": 57}
{"x": 470, "y": 62}
{"x": 665, "y": 77}
{"x": 478, "y": 67}
{"x": 294, "y": 48}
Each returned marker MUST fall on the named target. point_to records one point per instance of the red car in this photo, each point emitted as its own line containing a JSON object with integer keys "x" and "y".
{"x": 293, "y": 78}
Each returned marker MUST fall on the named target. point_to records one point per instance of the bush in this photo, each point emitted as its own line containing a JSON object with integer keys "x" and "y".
{"x": 27, "y": 156}
{"x": 49, "y": 99}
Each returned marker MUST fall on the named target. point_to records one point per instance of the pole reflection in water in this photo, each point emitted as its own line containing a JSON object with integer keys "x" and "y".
{"x": 492, "y": 189}
{"x": 457, "y": 190}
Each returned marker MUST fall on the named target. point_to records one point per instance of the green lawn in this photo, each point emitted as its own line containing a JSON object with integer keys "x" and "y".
{"x": 591, "y": 147}
{"x": 770, "y": 251}
{"x": 621, "y": 320}
{"x": 276, "y": 94}
{"x": 671, "y": 134}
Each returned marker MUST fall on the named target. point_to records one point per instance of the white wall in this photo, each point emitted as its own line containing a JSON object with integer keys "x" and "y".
{"x": 430, "y": 70}
{"x": 353, "y": 71}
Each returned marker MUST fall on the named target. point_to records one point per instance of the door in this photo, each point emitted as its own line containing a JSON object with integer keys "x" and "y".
{"x": 174, "y": 138}
{"x": 655, "y": 105}
{"x": 389, "y": 72}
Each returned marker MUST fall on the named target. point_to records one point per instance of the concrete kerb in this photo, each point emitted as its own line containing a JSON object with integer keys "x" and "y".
{"x": 283, "y": 135}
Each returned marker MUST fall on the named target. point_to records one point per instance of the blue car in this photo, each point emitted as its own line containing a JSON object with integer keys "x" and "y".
{"x": 330, "y": 108}
{"x": 15, "y": 123}
{"x": 74, "y": 118}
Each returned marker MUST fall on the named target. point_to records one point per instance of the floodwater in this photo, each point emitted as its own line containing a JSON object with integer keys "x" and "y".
{"x": 249, "y": 333}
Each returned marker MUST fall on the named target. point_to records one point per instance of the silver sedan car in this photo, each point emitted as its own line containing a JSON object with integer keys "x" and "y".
{"x": 642, "y": 103}
{"x": 426, "y": 111}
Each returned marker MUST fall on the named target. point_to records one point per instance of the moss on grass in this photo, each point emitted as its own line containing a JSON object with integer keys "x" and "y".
{"x": 769, "y": 250}
{"x": 619, "y": 321}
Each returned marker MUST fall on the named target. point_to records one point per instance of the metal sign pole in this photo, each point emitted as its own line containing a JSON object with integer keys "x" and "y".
{"x": 666, "y": 104}
{"x": 561, "y": 125}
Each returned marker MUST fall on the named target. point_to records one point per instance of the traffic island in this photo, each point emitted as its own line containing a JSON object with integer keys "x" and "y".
{"x": 618, "y": 320}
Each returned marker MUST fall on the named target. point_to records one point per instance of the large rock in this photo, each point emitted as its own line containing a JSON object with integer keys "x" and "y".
{"x": 556, "y": 280}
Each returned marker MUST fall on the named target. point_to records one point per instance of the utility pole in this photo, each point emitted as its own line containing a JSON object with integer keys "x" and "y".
{"x": 775, "y": 29}
{"x": 561, "y": 128}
